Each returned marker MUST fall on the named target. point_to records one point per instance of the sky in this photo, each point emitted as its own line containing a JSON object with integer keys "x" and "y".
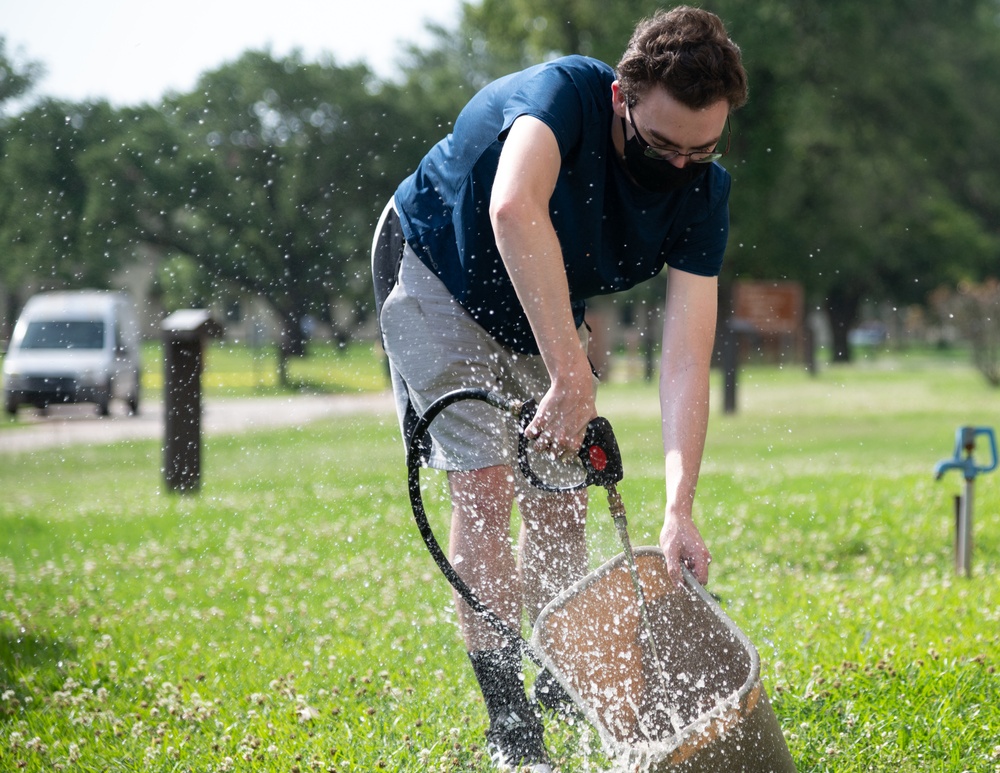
{"x": 134, "y": 51}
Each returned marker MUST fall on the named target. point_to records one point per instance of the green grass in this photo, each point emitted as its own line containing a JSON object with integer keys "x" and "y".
{"x": 236, "y": 370}
{"x": 288, "y": 618}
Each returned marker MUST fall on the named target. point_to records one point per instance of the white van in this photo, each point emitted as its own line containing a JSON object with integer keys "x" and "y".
{"x": 73, "y": 347}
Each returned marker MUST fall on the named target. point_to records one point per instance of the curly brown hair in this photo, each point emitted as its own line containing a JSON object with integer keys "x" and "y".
{"x": 688, "y": 52}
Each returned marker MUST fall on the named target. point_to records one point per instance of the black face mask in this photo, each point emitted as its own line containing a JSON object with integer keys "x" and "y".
{"x": 657, "y": 176}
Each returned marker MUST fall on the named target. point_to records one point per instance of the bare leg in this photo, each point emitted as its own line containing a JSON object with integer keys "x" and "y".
{"x": 552, "y": 553}
{"x": 482, "y": 554}
{"x": 553, "y": 544}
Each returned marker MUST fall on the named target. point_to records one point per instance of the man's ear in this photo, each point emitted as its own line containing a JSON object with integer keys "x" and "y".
{"x": 617, "y": 99}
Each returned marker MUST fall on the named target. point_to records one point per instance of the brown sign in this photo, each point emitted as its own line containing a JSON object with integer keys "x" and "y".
{"x": 768, "y": 307}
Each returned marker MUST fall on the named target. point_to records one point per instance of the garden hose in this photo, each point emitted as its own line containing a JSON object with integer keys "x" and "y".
{"x": 599, "y": 454}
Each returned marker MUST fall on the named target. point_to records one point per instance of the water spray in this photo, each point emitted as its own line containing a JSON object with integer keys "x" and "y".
{"x": 672, "y": 686}
{"x": 602, "y": 465}
{"x": 602, "y": 461}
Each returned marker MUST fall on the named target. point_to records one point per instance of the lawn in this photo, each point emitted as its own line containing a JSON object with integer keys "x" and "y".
{"x": 237, "y": 370}
{"x": 287, "y": 618}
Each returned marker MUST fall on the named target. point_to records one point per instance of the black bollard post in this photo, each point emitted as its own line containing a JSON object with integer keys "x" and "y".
{"x": 184, "y": 336}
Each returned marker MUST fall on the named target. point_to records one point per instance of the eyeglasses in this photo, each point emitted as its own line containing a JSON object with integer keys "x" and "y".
{"x": 697, "y": 156}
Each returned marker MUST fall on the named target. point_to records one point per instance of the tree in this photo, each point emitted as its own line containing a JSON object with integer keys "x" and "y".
{"x": 16, "y": 78}
{"x": 45, "y": 189}
{"x": 496, "y": 37}
{"x": 290, "y": 163}
{"x": 268, "y": 177}
{"x": 864, "y": 163}
{"x": 841, "y": 179}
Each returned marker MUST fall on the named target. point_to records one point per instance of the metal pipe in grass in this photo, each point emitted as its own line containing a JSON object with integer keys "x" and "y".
{"x": 962, "y": 460}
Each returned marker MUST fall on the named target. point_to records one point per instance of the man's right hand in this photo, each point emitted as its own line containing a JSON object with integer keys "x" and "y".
{"x": 563, "y": 414}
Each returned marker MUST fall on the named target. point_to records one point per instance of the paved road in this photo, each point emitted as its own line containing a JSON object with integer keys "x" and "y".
{"x": 67, "y": 425}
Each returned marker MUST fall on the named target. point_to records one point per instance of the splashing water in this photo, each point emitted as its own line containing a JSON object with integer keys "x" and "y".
{"x": 703, "y": 704}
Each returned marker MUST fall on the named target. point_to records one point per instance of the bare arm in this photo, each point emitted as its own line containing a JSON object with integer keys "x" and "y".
{"x": 519, "y": 210}
{"x": 688, "y": 339}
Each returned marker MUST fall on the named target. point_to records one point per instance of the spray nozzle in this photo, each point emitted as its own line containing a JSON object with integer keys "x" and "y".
{"x": 601, "y": 458}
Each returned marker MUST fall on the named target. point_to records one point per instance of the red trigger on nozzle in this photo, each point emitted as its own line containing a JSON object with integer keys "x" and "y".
{"x": 598, "y": 458}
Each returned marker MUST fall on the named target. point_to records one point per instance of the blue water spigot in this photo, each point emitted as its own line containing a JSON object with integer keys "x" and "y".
{"x": 965, "y": 444}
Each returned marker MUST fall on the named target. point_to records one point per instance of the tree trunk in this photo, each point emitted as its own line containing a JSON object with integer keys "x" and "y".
{"x": 292, "y": 344}
{"x": 842, "y": 305}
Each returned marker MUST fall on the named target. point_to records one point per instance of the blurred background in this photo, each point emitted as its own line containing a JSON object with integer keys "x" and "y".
{"x": 243, "y": 162}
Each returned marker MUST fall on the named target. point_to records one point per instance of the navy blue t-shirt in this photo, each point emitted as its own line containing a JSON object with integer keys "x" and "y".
{"x": 613, "y": 234}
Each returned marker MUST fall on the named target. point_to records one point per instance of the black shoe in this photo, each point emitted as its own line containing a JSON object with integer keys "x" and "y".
{"x": 515, "y": 744}
{"x": 551, "y": 695}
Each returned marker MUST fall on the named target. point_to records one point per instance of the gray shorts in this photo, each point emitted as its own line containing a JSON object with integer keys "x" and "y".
{"x": 435, "y": 347}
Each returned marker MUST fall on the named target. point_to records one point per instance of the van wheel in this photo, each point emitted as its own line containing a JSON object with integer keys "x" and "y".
{"x": 133, "y": 403}
{"x": 10, "y": 406}
{"x": 104, "y": 396}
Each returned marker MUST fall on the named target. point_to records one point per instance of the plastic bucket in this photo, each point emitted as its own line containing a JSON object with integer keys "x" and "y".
{"x": 706, "y": 710}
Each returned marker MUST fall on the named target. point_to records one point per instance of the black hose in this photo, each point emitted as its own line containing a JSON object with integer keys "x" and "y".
{"x": 415, "y": 458}
{"x": 599, "y": 454}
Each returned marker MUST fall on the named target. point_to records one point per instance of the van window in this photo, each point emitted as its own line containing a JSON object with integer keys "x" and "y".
{"x": 68, "y": 334}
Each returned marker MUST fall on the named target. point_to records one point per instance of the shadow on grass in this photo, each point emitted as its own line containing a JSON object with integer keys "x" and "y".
{"x": 29, "y": 656}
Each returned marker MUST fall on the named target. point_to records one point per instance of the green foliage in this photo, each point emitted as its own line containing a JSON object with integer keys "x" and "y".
{"x": 289, "y": 617}
{"x": 16, "y": 78}
{"x": 524, "y": 32}
{"x": 282, "y": 168}
{"x": 180, "y": 284}
{"x": 268, "y": 178}
{"x": 864, "y": 163}
{"x": 863, "y": 148}
{"x": 287, "y": 184}
{"x": 44, "y": 194}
